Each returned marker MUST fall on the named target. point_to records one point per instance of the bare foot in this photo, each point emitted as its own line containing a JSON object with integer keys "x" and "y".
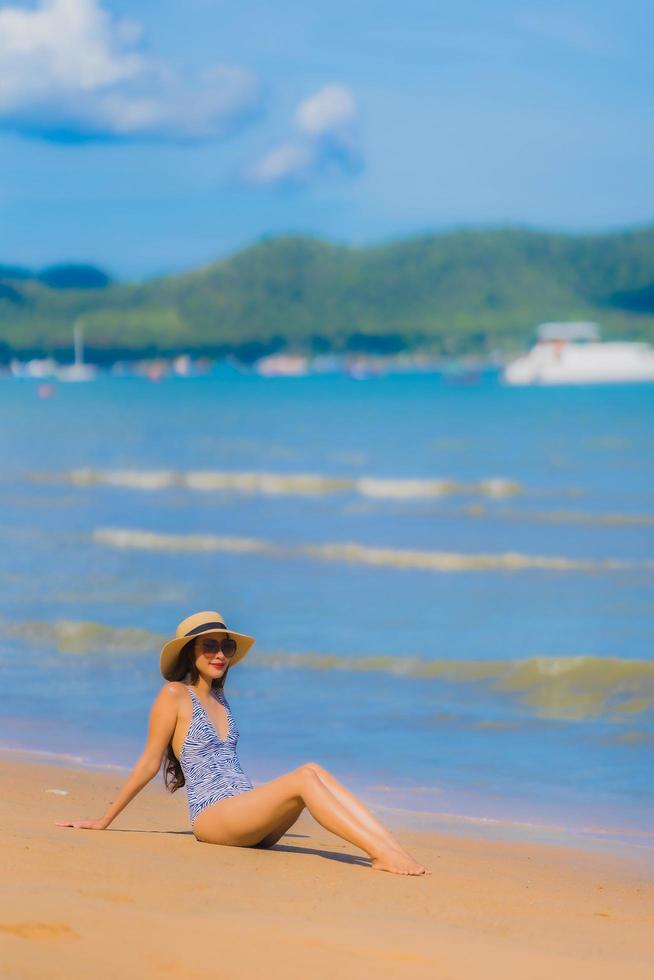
{"x": 398, "y": 862}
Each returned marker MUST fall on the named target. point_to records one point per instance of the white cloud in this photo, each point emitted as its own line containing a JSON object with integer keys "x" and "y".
{"x": 331, "y": 109}
{"x": 283, "y": 160}
{"x": 325, "y": 140}
{"x": 68, "y": 68}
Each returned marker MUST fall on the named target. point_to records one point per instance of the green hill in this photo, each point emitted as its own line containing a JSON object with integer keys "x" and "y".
{"x": 455, "y": 292}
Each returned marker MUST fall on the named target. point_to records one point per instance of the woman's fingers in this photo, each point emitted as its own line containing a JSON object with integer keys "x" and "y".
{"x": 81, "y": 824}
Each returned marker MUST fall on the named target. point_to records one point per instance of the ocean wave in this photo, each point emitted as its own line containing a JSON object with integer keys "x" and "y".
{"x": 396, "y": 489}
{"x": 436, "y": 561}
{"x": 450, "y": 561}
{"x": 160, "y": 541}
{"x": 572, "y": 688}
{"x": 557, "y": 516}
{"x": 276, "y": 484}
{"x": 83, "y": 636}
{"x": 368, "y": 488}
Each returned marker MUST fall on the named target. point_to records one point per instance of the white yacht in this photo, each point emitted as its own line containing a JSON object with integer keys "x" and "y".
{"x": 572, "y": 353}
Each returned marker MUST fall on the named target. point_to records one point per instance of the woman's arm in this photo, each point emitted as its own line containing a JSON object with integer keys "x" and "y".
{"x": 163, "y": 718}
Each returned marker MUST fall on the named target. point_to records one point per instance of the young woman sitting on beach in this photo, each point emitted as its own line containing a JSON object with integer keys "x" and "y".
{"x": 192, "y": 730}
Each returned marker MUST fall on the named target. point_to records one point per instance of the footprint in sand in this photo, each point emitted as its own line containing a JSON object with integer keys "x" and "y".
{"x": 38, "y": 930}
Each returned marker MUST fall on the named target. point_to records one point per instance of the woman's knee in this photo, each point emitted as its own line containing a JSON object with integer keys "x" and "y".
{"x": 307, "y": 775}
{"x": 315, "y": 768}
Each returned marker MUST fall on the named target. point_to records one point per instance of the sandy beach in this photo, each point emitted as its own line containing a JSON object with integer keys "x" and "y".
{"x": 145, "y": 899}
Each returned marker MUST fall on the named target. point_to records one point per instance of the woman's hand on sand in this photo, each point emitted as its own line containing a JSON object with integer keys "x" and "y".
{"x": 83, "y": 824}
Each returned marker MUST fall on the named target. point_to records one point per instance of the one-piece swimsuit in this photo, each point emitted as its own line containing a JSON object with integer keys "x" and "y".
{"x": 211, "y": 767}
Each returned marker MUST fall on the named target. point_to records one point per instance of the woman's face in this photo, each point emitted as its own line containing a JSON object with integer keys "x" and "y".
{"x": 209, "y": 659}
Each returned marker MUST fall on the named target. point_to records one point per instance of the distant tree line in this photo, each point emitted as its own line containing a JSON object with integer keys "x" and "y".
{"x": 471, "y": 291}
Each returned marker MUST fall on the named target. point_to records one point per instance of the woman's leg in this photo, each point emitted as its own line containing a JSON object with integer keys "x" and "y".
{"x": 355, "y": 806}
{"x": 244, "y": 820}
{"x": 282, "y": 827}
{"x": 350, "y": 802}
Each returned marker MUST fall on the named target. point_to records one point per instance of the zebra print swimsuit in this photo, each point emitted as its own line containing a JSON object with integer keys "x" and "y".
{"x": 210, "y": 766}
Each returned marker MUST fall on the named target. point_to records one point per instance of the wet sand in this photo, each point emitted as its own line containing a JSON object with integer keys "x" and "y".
{"x": 145, "y": 899}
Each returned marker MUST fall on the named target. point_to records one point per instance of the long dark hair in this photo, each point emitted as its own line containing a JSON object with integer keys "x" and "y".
{"x": 184, "y": 669}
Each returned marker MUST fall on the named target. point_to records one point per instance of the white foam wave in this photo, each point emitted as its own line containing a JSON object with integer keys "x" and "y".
{"x": 276, "y": 484}
{"x": 158, "y": 541}
{"x": 415, "y": 489}
{"x": 436, "y": 561}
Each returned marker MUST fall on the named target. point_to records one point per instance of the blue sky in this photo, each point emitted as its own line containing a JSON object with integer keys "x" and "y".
{"x": 151, "y": 136}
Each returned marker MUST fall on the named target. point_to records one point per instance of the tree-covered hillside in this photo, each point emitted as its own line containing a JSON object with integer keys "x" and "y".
{"x": 456, "y": 292}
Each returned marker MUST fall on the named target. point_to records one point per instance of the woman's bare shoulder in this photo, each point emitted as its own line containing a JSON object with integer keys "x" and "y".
{"x": 171, "y": 701}
{"x": 173, "y": 689}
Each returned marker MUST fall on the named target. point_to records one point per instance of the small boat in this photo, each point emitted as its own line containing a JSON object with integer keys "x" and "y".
{"x": 78, "y": 371}
{"x": 282, "y": 366}
{"x": 573, "y": 353}
{"x": 39, "y": 368}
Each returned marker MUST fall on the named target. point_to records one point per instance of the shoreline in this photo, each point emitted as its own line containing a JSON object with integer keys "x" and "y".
{"x": 145, "y": 899}
{"x": 615, "y": 841}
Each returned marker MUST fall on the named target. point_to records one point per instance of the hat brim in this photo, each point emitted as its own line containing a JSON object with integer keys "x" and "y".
{"x": 170, "y": 651}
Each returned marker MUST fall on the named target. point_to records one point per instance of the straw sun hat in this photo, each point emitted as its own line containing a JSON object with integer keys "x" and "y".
{"x": 201, "y": 624}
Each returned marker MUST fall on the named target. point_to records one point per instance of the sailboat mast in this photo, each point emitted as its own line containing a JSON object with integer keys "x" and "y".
{"x": 79, "y": 343}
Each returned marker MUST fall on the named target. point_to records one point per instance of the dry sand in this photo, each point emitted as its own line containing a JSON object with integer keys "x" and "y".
{"x": 145, "y": 899}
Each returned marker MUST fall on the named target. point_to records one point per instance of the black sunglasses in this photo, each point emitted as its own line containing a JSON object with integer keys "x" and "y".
{"x": 227, "y": 646}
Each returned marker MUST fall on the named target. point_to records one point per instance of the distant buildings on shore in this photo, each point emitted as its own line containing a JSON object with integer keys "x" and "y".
{"x": 358, "y": 367}
{"x": 564, "y": 353}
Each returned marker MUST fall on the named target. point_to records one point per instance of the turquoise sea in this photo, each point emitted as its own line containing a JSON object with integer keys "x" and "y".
{"x": 450, "y": 585}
